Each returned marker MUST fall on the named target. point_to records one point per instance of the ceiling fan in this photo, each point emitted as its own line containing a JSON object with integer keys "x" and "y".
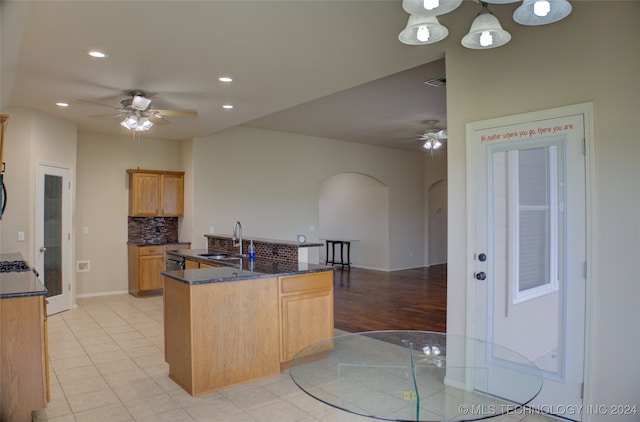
{"x": 433, "y": 138}
{"x": 137, "y": 112}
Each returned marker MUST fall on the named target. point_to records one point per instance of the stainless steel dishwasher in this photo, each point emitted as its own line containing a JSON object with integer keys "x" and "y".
{"x": 174, "y": 262}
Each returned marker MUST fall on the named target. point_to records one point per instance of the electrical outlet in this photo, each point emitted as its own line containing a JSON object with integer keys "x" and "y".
{"x": 85, "y": 230}
{"x": 212, "y": 230}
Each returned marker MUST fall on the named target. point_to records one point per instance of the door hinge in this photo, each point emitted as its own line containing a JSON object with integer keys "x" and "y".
{"x": 584, "y": 269}
{"x": 582, "y": 390}
{"x": 584, "y": 146}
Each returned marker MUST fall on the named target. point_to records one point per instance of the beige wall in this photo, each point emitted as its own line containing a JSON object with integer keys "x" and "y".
{"x": 593, "y": 56}
{"x": 31, "y": 137}
{"x": 270, "y": 182}
{"x": 102, "y": 203}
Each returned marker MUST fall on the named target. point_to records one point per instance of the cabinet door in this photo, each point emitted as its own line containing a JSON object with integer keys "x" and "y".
{"x": 149, "y": 269}
{"x": 172, "y": 194}
{"x": 144, "y": 196}
{"x": 191, "y": 265}
{"x": 306, "y": 319}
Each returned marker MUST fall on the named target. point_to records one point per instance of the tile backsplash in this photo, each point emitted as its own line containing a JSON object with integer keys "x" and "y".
{"x": 153, "y": 229}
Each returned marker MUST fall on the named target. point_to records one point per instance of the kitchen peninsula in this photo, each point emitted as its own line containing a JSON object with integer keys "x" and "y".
{"x": 239, "y": 320}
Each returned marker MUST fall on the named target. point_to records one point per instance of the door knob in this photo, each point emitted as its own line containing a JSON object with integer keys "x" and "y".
{"x": 43, "y": 249}
{"x": 481, "y": 276}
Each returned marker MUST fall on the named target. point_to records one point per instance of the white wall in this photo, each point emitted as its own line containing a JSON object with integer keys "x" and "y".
{"x": 103, "y": 203}
{"x": 592, "y": 56}
{"x": 270, "y": 182}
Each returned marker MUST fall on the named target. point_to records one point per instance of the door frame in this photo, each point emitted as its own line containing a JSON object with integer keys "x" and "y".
{"x": 585, "y": 109}
{"x": 67, "y": 268}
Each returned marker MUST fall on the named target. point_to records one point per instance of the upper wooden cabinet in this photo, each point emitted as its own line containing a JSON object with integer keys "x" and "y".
{"x": 156, "y": 193}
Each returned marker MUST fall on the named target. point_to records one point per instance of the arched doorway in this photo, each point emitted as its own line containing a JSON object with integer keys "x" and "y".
{"x": 356, "y": 206}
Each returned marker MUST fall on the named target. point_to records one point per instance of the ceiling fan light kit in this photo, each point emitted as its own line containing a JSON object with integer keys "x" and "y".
{"x": 138, "y": 114}
{"x": 486, "y": 32}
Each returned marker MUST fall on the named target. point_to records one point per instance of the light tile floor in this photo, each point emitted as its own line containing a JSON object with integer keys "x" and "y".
{"x": 107, "y": 364}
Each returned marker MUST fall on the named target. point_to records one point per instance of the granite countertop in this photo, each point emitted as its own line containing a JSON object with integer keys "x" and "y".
{"x": 154, "y": 243}
{"x": 238, "y": 269}
{"x": 247, "y": 239}
{"x": 19, "y": 284}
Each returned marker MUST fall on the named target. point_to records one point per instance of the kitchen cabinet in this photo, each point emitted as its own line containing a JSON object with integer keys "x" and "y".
{"x": 220, "y": 334}
{"x": 223, "y": 333}
{"x": 145, "y": 265}
{"x": 154, "y": 193}
{"x": 24, "y": 358}
{"x": 306, "y": 311}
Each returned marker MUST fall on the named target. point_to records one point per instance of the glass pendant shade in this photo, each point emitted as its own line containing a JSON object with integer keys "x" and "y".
{"x": 430, "y": 7}
{"x": 486, "y": 32}
{"x": 139, "y": 124}
{"x": 532, "y": 12}
{"x": 423, "y": 30}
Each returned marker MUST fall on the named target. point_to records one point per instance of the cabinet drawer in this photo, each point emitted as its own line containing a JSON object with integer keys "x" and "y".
{"x": 306, "y": 282}
{"x": 150, "y": 250}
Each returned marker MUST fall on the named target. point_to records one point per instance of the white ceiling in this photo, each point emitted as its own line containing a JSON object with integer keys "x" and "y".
{"x": 324, "y": 68}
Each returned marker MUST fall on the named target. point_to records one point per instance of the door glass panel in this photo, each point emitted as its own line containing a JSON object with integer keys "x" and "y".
{"x": 53, "y": 234}
{"x": 525, "y": 211}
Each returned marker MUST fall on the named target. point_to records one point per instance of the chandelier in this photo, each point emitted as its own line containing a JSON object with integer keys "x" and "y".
{"x": 486, "y": 32}
{"x": 135, "y": 120}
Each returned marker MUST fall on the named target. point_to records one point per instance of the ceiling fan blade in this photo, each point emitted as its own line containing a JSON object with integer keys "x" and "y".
{"x": 94, "y": 103}
{"x": 107, "y": 116}
{"x": 157, "y": 119}
{"x": 176, "y": 113}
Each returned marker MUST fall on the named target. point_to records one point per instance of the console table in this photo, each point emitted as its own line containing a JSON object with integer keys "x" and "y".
{"x": 331, "y": 257}
{"x": 416, "y": 376}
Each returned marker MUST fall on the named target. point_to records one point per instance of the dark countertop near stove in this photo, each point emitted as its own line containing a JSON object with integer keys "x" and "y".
{"x": 19, "y": 284}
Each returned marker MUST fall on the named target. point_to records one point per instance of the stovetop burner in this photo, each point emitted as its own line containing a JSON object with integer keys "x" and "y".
{"x": 14, "y": 267}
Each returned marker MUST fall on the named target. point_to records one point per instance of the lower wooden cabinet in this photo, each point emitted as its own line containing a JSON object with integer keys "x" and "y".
{"x": 24, "y": 358}
{"x": 306, "y": 311}
{"x": 221, "y": 334}
{"x": 145, "y": 265}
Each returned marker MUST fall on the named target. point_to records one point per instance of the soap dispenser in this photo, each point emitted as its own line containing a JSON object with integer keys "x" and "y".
{"x": 252, "y": 251}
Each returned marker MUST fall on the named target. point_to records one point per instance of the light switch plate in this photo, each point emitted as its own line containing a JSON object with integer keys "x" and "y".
{"x": 20, "y": 236}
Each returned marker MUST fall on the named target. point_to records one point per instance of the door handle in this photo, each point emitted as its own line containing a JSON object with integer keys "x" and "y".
{"x": 43, "y": 249}
{"x": 481, "y": 276}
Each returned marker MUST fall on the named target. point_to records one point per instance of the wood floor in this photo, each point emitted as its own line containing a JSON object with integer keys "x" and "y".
{"x": 413, "y": 299}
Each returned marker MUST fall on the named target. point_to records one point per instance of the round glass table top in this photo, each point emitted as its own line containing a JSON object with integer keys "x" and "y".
{"x": 416, "y": 376}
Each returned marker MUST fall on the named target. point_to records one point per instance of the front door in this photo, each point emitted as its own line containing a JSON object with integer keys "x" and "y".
{"x": 53, "y": 234}
{"x": 529, "y": 199}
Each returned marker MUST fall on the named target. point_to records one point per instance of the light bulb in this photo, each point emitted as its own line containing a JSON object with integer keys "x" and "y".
{"x": 144, "y": 124}
{"x": 426, "y": 350}
{"x": 486, "y": 39}
{"x": 541, "y": 8}
{"x": 431, "y": 4}
{"x": 427, "y": 145}
{"x": 423, "y": 34}
{"x": 436, "y": 349}
{"x": 436, "y": 145}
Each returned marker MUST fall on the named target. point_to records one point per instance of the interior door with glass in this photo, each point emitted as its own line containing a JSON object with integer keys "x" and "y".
{"x": 530, "y": 247}
{"x": 53, "y": 234}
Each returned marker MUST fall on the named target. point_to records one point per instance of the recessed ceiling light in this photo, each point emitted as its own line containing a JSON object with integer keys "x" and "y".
{"x": 62, "y": 104}
{"x": 97, "y": 54}
{"x": 227, "y": 106}
{"x": 225, "y": 79}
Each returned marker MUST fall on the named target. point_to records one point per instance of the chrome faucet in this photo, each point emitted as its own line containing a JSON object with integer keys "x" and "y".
{"x": 237, "y": 235}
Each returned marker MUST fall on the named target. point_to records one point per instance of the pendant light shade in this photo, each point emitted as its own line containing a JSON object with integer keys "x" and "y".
{"x": 430, "y": 7}
{"x": 423, "y": 30}
{"x": 486, "y": 32}
{"x": 541, "y": 12}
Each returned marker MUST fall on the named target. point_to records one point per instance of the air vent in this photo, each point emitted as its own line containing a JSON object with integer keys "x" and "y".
{"x": 437, "y": 82}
